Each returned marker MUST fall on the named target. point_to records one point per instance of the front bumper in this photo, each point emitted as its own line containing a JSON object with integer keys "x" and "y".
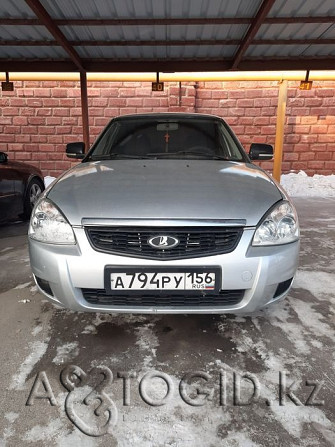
{"x": 257, "y": 270}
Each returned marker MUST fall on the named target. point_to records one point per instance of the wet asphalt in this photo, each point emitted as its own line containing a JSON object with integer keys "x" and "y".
{"x": 70, "y": 379}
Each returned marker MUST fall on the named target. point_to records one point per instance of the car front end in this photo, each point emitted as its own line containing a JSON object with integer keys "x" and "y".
{"x": 164, "y": 234}
{"x": 251, "y": 278}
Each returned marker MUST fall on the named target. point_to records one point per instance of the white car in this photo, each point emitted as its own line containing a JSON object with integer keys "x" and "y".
{"x": 165, "y": 214}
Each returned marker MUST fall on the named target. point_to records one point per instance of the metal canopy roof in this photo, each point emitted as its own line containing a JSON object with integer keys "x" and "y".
{"x": 166, "y": 35}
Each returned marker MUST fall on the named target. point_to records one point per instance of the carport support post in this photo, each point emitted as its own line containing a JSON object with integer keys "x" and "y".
{"x": 84, "y": 109}
{"x": 281, "y": 113}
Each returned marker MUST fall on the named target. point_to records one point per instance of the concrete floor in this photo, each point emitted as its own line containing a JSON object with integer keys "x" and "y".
{"x": 295, "y": 336}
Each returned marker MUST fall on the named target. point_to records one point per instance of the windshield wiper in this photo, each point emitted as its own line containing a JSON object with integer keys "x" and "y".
{"x": 117, "y": 155}
{"x": 208, "y": 155}
{"x": 161, "y": 155}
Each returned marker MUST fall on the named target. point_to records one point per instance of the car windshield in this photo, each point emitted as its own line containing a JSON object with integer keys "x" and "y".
{"x": 171, "y": 138}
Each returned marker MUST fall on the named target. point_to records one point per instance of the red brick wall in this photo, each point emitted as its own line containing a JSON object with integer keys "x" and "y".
{"x": 39, "y": 118}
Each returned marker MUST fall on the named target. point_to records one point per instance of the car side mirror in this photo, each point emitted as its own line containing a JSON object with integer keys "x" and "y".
{"x": 75, "y": 150}
{"x": 260, "y": 151}
{"x": 3, "y": 157}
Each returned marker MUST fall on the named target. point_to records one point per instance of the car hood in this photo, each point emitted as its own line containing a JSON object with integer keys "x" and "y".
{"x": 164, "y": 189}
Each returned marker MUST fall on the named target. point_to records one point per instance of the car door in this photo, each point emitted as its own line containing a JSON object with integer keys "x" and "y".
{"x": 10, "y": 201}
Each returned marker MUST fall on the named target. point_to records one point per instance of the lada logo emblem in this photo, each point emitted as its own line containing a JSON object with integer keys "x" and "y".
{"x": 163, "y": 242}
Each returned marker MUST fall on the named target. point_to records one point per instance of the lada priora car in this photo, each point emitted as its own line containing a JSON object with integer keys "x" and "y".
{"x": 165, "y": 214}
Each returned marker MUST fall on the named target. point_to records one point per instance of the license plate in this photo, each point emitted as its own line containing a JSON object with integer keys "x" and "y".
{"x": 204, "y": 280}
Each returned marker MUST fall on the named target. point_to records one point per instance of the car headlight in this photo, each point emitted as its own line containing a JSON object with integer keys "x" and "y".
{"x": 47, "y": 224}
{"x": 280, "y": 226}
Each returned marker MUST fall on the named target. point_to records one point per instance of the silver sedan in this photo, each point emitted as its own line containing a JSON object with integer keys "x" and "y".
{"x": 165, "y": 214}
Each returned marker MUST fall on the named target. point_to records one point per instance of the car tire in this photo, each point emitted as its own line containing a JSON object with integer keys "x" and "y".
{"x": 34, "y": 190}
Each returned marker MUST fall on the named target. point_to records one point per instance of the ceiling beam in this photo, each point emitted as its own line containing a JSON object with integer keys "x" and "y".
{"x": 19, "y": 22}
{"x": 168, "y": 65}
{"x": 252, "y": 31}
{"x": 293, "y": 42}
{"x": 156, "y": 43}
{"x": 119, "y": 43}
{"x": 47, "y": 21}
{"x": 133, "y": 22}
{"x": 287, "y": 63}
{"x": 175, "y": 21}
{"x": 311, "y": 19}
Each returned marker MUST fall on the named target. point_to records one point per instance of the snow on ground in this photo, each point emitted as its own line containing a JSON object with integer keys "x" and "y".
{"x": 300, "y": 185}
{"x": 37, "y": 351}
{"x": 296, "y": 185}
{"x": 48, "y": 180}
{"x": 66, "y": 352}
{"x": 23, "y": 286}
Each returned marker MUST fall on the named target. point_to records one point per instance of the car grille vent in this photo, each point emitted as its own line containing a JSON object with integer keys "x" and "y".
{"x": 223, "y": 298}
{"x": 193, "y": 241}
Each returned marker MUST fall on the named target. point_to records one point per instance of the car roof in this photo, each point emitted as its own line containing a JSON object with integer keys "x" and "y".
{"x": 165, "y": 115}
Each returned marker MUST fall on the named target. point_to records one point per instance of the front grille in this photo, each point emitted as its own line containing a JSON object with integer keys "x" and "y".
{"x": 223, "y": 298}
{"x": 193, "y": 241}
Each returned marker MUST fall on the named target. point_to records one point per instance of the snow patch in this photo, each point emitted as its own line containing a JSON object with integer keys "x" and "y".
{"x": 23, "y": 286}
{"x": 36, "y": 330}
{"x": 119, "y": 319}
{"x": 327, "y": 433}
{"x": 147, "y": 341}
{"x": 311, "y": 319}
{"x": 48, "y": 180}
{"x": 301, "y": 185}
{"x": 7, "y": 433}
{"x": 76, "y": 438}
{"x": 89, "y": 329}
{"x": 293, "y": 420}
{"x": 280, "y": 317}
{"x": 173, "y": 424}
{"x": 49, "y": 432}
{"x": 240, "y": 439}
{"x": 38, "y": 349}
{"x": 6, "y": 249}
{"x": 11, "y": 417}
{"x": 320, "y": 284}
{"x": 66, "y": 353}
{"x": 59, "y": 431}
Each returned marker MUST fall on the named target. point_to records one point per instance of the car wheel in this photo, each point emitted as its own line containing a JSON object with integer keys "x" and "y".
{"x": 34, "y": 190}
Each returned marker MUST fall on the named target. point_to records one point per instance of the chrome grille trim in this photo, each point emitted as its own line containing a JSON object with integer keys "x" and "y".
{"x": 194, "y": 242}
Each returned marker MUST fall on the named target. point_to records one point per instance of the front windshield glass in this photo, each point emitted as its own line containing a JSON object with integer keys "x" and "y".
{"x": 156, "y": 138}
